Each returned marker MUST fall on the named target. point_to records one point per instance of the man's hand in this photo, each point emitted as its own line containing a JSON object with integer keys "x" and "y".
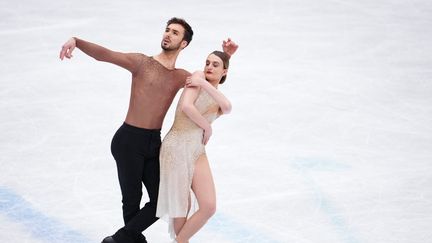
{"x": 67, "y": 48}
{"x": 229, "y": 47}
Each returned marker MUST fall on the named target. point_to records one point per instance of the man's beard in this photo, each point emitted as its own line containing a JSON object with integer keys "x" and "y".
{"x": 170, "y": 48}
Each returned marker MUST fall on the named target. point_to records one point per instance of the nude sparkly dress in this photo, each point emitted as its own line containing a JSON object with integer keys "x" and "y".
{"x": 180, "y": 149}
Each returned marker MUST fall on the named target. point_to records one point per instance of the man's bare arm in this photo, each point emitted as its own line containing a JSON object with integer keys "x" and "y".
{"x": 129, "y": 61}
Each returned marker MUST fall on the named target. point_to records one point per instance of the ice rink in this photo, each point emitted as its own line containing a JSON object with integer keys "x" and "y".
{"x": 329, "y": 140}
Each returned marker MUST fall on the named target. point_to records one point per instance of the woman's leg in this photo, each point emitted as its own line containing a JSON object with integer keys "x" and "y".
{"x": 179, "y": 222}
{"x": 204, "y": 189}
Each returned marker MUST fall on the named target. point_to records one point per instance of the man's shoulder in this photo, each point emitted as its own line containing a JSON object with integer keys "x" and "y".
{"x": 141, "y": 55}
{"x": 136, "y": 56}
{"x": 144, "y": 59}
{"x": 182, "y": 72}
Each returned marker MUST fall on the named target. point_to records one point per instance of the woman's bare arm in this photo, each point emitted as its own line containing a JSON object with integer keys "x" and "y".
{"x": 187, "y": 105}
{"x": 198, "y": 79}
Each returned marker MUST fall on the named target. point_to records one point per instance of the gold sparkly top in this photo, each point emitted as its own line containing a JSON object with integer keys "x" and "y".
{"x": 206, "y": 106}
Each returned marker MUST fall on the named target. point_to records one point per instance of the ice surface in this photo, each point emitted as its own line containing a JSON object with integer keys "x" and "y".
{"x": 330, "y": 138}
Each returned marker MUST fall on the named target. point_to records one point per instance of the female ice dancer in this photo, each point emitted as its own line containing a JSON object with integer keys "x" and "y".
{"x": 184, "y": 164}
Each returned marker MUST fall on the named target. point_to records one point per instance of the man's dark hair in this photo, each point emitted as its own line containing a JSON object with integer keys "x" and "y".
{"x": 188, "y": 29}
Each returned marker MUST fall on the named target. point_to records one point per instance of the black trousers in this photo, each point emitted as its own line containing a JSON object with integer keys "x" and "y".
{"x": 136, "y": 152}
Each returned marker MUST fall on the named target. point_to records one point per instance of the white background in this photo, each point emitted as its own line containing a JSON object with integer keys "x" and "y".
{"x": 329, "y": 140}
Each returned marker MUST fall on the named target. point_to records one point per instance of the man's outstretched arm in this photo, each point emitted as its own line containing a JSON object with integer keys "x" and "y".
{"x": 129, "y": 61}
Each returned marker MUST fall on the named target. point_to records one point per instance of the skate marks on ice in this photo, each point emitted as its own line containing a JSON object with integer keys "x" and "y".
{"x": 305, "y": 166}
{"x": 237, "y": 232}
{"x": 41, "y": 227}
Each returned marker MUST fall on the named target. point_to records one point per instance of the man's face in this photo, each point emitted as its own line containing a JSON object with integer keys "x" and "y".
{"x": 173, "y": 37}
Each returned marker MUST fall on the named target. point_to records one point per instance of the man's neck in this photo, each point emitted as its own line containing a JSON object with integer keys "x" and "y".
{"x": 167, "y": 58}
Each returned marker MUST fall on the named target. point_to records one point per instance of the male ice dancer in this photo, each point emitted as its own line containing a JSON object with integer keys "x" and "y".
{"x": 135, "y": 145}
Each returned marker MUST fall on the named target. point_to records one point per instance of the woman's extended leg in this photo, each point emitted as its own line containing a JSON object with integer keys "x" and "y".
{"x": 204, "y": 189}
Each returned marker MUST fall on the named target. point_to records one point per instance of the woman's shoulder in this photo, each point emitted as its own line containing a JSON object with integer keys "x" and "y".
{"x": 199, "y": 73}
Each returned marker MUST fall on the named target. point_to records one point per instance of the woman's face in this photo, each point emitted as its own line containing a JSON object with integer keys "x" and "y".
{"x": 214, "y": 69}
